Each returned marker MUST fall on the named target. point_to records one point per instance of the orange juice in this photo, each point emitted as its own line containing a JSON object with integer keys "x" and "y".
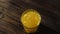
{"x": 30, "y": 20}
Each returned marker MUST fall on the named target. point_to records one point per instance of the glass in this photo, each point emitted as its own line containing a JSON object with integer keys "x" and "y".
{"x": 30, "y": 20}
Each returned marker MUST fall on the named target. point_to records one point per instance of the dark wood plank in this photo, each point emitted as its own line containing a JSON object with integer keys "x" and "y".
{"x": 11, "y": 10}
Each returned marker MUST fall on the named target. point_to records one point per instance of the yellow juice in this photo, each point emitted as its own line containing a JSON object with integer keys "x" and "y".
{"x": 30, "y": 20}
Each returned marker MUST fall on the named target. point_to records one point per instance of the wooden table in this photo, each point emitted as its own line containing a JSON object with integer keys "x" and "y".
{"x": 11, "y": 10}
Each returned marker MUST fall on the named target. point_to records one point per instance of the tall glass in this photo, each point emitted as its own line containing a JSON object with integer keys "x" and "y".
{"x": 30, "y": 20}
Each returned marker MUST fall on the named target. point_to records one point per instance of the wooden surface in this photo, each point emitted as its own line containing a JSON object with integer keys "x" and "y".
{"x": 11, "y": 10}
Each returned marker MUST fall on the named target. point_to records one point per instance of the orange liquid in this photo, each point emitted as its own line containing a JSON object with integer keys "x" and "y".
{"x": 31, "y": 19}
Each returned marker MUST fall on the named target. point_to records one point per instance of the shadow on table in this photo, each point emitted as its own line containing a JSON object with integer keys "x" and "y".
{"x": 45, "y": 30}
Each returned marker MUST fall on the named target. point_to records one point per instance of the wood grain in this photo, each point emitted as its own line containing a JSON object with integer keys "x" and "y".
{"x": 12, "y": 9}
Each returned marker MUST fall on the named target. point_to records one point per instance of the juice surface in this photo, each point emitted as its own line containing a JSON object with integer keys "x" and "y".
{"x": 31, "y": 18}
